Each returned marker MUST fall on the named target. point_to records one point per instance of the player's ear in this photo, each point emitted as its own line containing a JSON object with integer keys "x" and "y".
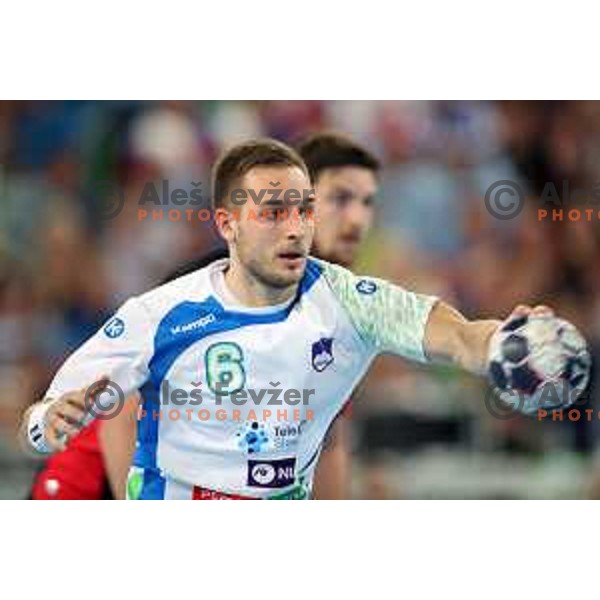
{"x": 225, "y": 221}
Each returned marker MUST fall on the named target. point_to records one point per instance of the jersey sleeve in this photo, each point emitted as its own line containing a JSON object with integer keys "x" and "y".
{"x": 387, "y": 317}
{"x": 120, "y": 349}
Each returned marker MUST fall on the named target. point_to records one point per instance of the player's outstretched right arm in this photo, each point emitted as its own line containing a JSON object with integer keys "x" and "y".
{"x": 114, "y": 360}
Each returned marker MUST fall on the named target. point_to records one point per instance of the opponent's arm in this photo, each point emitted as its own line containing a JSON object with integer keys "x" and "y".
{"x": 332, "y": 474}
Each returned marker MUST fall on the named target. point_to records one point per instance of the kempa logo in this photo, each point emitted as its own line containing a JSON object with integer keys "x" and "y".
{"x": 198, "y": 324}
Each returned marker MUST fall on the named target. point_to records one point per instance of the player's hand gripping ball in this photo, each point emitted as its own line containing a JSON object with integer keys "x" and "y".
{"x": 538, "y": 362}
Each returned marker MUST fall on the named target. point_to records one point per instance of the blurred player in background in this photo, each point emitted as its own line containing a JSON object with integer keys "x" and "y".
{"x": 345, "y": 177}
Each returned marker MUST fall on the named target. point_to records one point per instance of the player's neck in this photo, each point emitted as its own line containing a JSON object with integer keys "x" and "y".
{"x": 249, "y": 291}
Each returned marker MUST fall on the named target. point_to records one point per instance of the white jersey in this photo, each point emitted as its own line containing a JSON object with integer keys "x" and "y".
{"x": 245, "y": 396}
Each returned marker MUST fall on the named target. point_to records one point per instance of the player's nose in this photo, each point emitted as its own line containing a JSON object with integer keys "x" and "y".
{"x": 356, "y": 214}
{"x": 295, "y": 225}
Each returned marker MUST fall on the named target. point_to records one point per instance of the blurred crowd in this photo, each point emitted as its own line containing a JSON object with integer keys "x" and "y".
{"x": 64, "y": 267}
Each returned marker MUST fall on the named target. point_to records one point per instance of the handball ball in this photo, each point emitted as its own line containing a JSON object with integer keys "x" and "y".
{"x": 538, "y": 362}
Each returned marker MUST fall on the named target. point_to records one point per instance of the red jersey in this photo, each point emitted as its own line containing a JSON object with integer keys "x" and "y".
{"x": 76, "y": 473}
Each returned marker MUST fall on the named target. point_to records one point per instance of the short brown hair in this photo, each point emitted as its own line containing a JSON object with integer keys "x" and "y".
{"x": 330, "y": 150}
{"x": 234, "y": 163}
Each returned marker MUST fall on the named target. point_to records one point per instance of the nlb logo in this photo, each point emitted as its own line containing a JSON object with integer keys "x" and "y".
{"x": 194, "y": 325}
{"x": 272, "y": 473}
{"x": 263, "y": 473}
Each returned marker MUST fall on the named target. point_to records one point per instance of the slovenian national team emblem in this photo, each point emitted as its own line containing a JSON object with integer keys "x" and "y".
{"x": 322, "y": 354}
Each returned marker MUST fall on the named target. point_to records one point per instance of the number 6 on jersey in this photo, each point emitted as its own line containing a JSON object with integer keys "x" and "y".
{"x": 225, "y": 368}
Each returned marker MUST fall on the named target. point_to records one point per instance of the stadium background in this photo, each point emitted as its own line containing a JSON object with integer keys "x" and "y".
{"x": 416, "y": 434}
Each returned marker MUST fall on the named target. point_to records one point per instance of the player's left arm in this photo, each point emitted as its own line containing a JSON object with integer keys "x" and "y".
{"x": 452, "y": 339}
{"x": 419, "y": 327}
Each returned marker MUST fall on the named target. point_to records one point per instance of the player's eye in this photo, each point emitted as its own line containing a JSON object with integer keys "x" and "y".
{"x": 369, "y": 201}
{"x": 269, "y": 214}
{"x": 307, "y": 211}
{"x": 342, "y": 198}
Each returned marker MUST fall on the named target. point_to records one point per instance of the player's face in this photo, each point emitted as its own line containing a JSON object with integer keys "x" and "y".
{"x": 272, "y": 240}
{"x": 344, "y": 212}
